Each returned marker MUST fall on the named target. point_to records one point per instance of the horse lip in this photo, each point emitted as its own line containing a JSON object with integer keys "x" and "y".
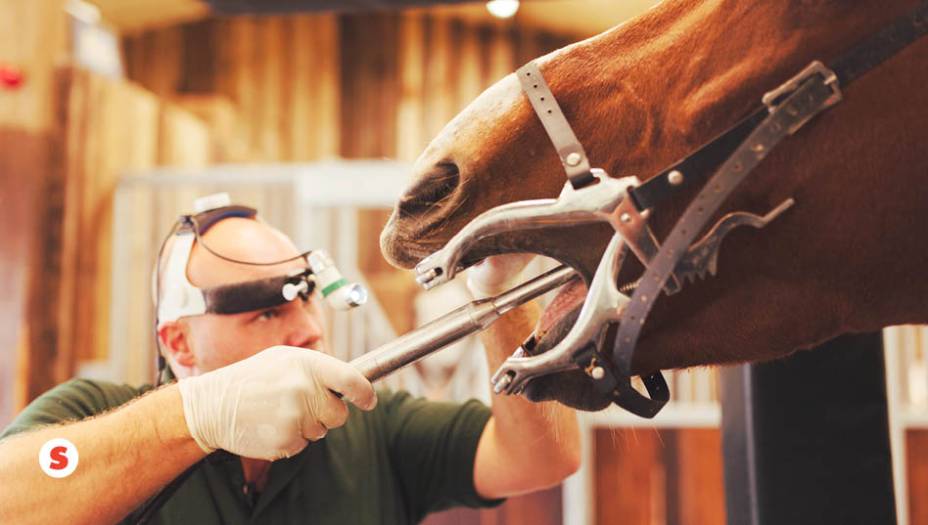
{"x": 402, "y": 239}
{"x": 431, "y": 191}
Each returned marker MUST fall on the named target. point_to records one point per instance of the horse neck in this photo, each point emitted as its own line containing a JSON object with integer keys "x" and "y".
{"x": 672, "y": 79}
{"x": 682, "y": 72}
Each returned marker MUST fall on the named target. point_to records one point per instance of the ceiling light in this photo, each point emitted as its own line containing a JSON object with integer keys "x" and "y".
{"x": 503, "y": 8}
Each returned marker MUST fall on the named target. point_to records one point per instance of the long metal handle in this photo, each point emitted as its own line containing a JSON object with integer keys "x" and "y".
{"x": 456, "y": 325}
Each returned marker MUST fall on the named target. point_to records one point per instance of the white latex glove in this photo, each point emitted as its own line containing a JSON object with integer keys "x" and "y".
{"x": 270, "y": 405}
{"x": 497, "y": 274}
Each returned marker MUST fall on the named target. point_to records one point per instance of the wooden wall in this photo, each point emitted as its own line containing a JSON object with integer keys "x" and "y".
{"x": 65, "y": 138}
{"x": 32, "y": 39}
{"x": 276, "y": 80}
{"x": 648, "y": 476}
{"x": 299, "y": 88}
{"x": 102, "y": 130}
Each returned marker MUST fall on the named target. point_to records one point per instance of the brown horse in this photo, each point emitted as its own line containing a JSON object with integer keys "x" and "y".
{"x": 849, "y": 256}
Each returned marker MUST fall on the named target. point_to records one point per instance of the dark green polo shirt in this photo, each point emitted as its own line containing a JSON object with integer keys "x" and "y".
{"x": 395, "y": 464}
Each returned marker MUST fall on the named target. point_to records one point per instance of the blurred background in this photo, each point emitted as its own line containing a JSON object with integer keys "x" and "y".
{"x": 116, "y": 114}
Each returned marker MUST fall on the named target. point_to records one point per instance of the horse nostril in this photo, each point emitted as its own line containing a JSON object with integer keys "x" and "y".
{"x": 431, "y": 189}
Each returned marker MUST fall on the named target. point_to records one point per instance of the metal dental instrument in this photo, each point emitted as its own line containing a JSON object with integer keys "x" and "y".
{"x": 571, "y": 207}
{"x": 604, "y": 304}
{"x": 606, "y": 201}
{"x": 455, "y": 325}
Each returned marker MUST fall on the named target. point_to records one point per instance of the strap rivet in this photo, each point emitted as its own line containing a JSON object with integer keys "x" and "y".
{"x": 675, "y": 178}
{"x": 573, "y": 159}
{"x": 598, "y": 373}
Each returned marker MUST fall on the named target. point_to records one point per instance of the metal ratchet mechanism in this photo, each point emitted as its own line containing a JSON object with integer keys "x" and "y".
{"x": 455, "y": 325}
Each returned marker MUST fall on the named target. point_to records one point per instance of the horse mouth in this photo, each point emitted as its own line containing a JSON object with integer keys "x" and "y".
{"x": 402, "y": 244}
{"x": 551, "y": 325}
{"x": 572, "y": 388}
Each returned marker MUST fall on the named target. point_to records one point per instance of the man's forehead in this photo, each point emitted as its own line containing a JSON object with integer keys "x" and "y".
{"x": 246, "y": 240}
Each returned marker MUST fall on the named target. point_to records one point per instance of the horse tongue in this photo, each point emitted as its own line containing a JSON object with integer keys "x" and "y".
{"x": 569, "y": 298}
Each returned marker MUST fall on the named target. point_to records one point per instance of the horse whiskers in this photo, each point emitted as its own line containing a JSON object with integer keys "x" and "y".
{"x": 457, "y": 206}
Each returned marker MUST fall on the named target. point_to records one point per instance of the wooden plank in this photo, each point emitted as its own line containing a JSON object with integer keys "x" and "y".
{"x": 917, "y": 468}
{"x": 410, "y": 111}
{"x": 527, "y": 45}
{"x": 328, "y": 89}
{"x": 23, "y": 163}
{"x": 502, "y": 58}
{"x": 184, "y": 140}
{"x": 469, "y": 81}
{"x": 99, "y": 146}
{"x": 267, "y": 81}
{"x": 224, "y": 54}
{"x": 164, "y": 60}
{"x": 39, "y": 353}
{"x": 629, "y": 478}
{"x": 228, "y": 133}
{"x": 352, "y": 81}
{"x": 241, "y": 53}
{"x": 198, "y": 57}
{"x": 440, "y": 103}
{"x": 138, "y": 15}
{"x": 369, "y": 80}
{"x": 105, "y": 127}
{"x": 81, "y": 126}
{"x": 123, "y": 148}
{"x": 699, "y": 484}
{"x": 33, "y": 38}
{"x": 301, "y": 88}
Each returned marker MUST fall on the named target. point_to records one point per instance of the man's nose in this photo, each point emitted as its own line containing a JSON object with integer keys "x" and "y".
{"x": 306, "y": 330}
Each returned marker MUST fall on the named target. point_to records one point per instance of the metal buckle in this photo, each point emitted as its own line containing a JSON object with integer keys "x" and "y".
{"x": 772, "y": 98}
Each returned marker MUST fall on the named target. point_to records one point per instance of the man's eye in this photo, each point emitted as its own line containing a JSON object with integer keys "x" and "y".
{"x": 267, "y": 315}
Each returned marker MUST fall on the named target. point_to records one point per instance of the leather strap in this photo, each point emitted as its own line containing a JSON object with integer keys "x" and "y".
{"x": 814, "y": 95}
{"x": 882, "y": 45}
{"x": 697, "y": 167}
{"x": 573, "y": 156}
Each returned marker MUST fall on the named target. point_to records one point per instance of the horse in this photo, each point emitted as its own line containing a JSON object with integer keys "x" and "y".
{"x": 847, "y": 257}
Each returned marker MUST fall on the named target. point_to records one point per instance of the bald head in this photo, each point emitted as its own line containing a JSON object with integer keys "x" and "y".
{"x": 243, "y": 239}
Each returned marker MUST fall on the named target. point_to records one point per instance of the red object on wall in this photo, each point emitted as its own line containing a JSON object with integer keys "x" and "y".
{"x": 11, "y": 77}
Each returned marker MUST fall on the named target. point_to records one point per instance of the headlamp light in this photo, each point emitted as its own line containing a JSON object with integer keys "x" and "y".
{"x": 177, "y": 297}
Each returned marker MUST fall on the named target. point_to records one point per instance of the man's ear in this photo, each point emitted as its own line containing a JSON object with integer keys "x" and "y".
{"x": 175, "y": 342}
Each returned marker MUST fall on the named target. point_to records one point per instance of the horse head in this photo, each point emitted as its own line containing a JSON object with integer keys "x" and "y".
{"x": 847, "y": 257}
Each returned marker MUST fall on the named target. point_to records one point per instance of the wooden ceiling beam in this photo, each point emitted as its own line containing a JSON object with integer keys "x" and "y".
{"x": 578, "y": 18}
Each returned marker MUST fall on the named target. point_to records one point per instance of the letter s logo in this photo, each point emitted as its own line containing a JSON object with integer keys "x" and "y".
{"x": 58, "y": 458}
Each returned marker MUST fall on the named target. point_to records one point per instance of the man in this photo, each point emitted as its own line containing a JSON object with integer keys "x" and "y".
{"x": 253, "y": 383}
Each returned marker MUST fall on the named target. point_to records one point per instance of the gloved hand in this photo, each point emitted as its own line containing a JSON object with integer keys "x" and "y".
{"x": 270, "y": 405}
{"x": 497, "y": 274}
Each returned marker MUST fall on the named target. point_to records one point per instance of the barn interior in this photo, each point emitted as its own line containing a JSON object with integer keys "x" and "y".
{"x": 116, "y": 114}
